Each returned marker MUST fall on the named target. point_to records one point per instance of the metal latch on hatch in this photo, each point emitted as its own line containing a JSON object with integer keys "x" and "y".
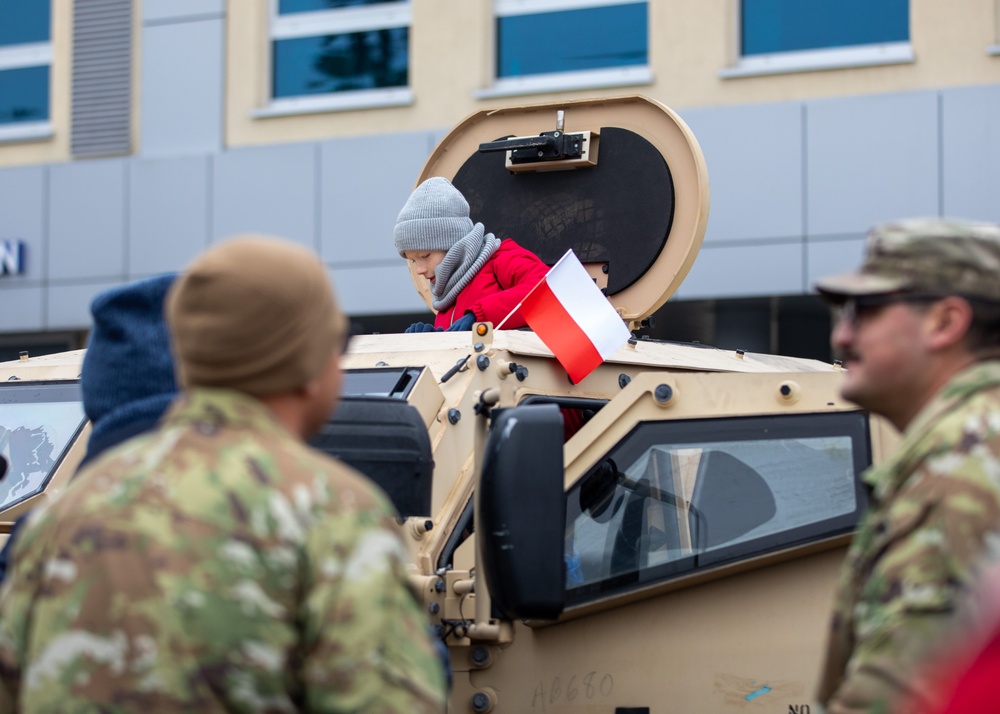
{"x": 549, "y": 151}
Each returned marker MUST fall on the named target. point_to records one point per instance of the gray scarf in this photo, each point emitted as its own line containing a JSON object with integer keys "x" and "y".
{"x": 460, "y": 265}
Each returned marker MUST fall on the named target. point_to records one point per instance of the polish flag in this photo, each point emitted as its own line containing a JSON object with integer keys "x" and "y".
{"x": 573, "y": 318}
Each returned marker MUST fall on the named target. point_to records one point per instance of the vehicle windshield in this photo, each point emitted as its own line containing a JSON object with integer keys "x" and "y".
{"x": 37, "y": 425}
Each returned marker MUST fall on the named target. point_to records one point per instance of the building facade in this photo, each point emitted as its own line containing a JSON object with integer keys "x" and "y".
{"x": 134, "y": 133}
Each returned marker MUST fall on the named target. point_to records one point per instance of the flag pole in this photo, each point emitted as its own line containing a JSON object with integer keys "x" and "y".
{"x": 504, "y": 321}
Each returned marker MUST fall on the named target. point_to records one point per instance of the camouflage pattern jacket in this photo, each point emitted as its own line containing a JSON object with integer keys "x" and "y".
{"x": 934, "y": 504}
{"x": 216, "y": 564}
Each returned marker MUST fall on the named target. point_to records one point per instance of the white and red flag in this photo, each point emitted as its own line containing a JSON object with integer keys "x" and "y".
{"x": 573, "y": 318}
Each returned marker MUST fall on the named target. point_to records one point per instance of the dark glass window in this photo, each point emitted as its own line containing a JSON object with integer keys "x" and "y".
{"x": 572, "y": 40}
{"x": 288, "y": 7}
{"x": 24, "y": 95}
{"x": 24, "y": 21}
{"x": 770, "y": 26}
{"x": 38, "y": 423}
{"x": 339, "y": 63}
{"x": 678, "y": 496}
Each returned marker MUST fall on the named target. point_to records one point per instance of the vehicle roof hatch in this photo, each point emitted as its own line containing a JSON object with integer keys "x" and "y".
{"x": 620, "y": 181}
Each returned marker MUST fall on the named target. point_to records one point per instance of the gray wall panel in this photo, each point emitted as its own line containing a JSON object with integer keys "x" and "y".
{"x": 182, "y": 90}
{"x": 971, "y": 170}
{"x": 267, "y": 190}
{"x": 22, "y": 205}
{"x": 754, "y": 157}
{"x": 171, "y": 10}
{"x": 365, "y": 182}
{"x": 824, "y": 258}
{"x": 69, "y": 305}
{"x": 86, "y": 219}
{"x": 168, "y": 214}
{"x": 871, "y": 159}
{"x": 745, "y": 271}
{"x": 374, "y": 291}
{"x": 22, "y": 308}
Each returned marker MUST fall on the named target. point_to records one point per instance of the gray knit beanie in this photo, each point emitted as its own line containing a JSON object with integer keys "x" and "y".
{"x": 435, "y": 217}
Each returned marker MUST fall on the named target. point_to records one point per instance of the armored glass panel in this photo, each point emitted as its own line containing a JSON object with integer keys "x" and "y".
{"x": 678, "y": 496}
{"x": 24, "y": 21}
{"x": 770, "y": 26}
{"x": 340, "y": 63}
{"x": 24, "y": 95}
{"x": 572, "y": 40}
{"x": 288, "y": 7}
{"x": 37, "y": 425}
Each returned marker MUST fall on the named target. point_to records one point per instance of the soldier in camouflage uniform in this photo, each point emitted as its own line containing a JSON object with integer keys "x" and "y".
{"x": 217, "y": 563}
{"x": 919, "y": 330}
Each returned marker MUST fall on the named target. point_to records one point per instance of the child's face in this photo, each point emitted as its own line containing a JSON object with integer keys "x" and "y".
{"x": 424, "y": 261}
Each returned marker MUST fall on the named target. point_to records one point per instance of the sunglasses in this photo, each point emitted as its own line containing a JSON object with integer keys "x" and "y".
{"x": 855, "y": 310}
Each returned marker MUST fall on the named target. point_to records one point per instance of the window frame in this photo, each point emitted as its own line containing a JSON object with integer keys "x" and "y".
{"x": 867, "y": 55}
{"x": 560, "y": 81}
{"x": 23, "y": 56}
{"x": 332, "y": 22}
{"x": 851, "y": 423}
{"x": 994, "y": 49}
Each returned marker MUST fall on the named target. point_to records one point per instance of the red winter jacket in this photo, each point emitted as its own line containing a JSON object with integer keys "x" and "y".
{"x": 503, "y": 281}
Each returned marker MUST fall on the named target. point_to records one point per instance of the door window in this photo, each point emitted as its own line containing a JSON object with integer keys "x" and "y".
{"x": 679, "y": 496}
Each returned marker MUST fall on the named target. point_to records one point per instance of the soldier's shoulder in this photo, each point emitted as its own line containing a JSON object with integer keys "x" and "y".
{"x": 354, "y": 488}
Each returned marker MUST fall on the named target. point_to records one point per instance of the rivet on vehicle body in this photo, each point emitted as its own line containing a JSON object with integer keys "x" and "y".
{"x": 483, "y": 701}
{"x": 483, "y": 362}
{"x": 663, "y": 394}
{"x": 788, "y": 392}
{"x": 623, "y": 380}
{"x": 454, "y": 415}
{"x": 478, "y": 347}
{"x": 480, "y": 656}
{"x": 433, "y": 608}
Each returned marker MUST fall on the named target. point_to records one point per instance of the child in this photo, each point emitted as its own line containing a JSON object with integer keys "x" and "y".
{"x": 474, "y": 276}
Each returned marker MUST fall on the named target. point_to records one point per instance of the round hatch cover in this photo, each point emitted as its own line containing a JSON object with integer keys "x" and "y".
{"x": 633, "y": 207}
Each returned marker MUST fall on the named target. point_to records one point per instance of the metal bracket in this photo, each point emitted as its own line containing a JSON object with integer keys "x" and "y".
{"x": 549, "y": 151}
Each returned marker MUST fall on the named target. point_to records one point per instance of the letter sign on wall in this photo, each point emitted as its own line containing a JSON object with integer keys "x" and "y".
{"x": 11, "y": 257}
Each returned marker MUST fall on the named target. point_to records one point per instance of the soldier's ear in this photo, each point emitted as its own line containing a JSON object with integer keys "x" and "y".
{"x": 948, "y": 322}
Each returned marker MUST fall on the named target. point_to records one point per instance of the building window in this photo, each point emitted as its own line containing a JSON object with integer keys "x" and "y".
{"x": 338, "y": 54}
{"x": 553, "y": 45}
{"x": 798, "y": 35}
{"x": 25, "y": 62}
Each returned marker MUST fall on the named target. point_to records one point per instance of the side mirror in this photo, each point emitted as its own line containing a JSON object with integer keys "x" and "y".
{"x": 521, "y": 523}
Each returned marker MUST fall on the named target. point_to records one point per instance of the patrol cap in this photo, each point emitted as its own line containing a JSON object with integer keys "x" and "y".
{"x": 933, "y": 255}
{"x": 255, "y": 314}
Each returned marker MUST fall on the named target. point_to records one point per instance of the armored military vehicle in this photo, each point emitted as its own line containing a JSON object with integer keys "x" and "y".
{"x": 676, "y": 549}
